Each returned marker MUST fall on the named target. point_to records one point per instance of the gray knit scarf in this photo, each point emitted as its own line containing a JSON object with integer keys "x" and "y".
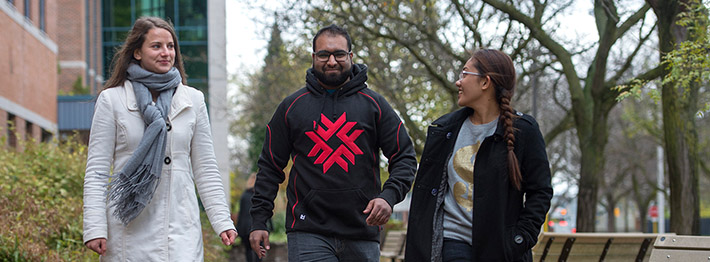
{"x": 132, "y": 188}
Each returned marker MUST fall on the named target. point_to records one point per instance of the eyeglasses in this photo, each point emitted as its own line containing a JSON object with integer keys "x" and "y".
{"x": 324, "y": 56}
{"x": 469, "y": 73}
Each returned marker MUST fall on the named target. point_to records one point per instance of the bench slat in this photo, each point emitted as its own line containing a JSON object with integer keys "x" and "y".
{"x": 643, "y": 249}
{"x": 607, "y": 247}
{"x": 393, "y": 244}
{"x": 679, "y": 255}
{"x": 682, "y": 242}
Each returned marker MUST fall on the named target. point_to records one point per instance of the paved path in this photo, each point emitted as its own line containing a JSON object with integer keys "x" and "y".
{"x": 278, "y": 253}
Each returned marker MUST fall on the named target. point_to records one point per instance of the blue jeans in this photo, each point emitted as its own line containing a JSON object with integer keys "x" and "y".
{"x": 303, "y": 247}
{"x": 456, "y": 251}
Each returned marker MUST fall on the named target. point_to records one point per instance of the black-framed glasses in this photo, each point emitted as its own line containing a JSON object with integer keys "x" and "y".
{"x": 469, "y": 73}
{"x": 340, "y": 55}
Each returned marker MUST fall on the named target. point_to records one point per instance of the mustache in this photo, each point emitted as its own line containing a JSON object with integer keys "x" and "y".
{"x": 325, "y": 67}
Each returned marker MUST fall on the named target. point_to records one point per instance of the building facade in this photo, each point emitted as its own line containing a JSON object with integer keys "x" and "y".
{"x": 79, "y": 42}
{"x": 28, "y": 70}
{"x": 80, "y": 65}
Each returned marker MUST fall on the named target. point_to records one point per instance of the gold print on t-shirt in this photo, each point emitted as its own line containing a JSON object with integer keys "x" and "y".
{"x": 463, "y": 165}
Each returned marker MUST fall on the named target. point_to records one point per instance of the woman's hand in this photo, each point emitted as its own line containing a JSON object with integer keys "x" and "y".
{"x": 98, "y": 245}
{"x": 228, "y": 237}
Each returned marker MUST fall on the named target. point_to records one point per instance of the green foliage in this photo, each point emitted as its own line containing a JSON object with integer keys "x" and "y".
{"x": 282, "y": 74}
{"x": 635, "y": 89}
{"x": 214, "y": 250}
{"x": 689, "y": 62}
{"x": 704, "y": 209}
{"x": 394, "y": 224}
{"x": 78, "y": 87}
{"x": 41, "y": 202}
{"x": 278, "y": 233}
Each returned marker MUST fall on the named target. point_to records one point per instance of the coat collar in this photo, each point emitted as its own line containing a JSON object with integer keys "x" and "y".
{"x": 181, "y": 99}
{"x": 455, "y": 119}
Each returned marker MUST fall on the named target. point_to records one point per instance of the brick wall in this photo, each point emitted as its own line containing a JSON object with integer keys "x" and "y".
{"x": 71, "y": 30}
{"x": 67, "y": 78}
{"x": 72, "y": 42}
{"x": 28, "y": 70}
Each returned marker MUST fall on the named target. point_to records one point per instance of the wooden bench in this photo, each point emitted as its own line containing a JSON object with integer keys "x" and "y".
{"x": 393, "y": 246}
{"x": 681, "y": 248}
{"x": 593, "y": 247}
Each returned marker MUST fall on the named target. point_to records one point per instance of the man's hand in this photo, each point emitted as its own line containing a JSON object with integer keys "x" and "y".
{"x": 98, "y": 245}
{"x": 379, "y": 210}
{"x": 228, "y": 237}
{"x": 259, "y": 240}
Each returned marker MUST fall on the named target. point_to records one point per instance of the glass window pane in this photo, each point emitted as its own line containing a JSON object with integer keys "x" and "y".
{"x": 192, "y": 34}
{"x": 27, "y": 9}
{"x": 195, "y": 59}
{"x": 117, "y": 13}
{"x": 192, "y": 13}
{"x": 150, "y": 8}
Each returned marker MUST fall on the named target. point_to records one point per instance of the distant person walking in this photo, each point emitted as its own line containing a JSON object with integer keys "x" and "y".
{"x": 244, "y": 218}
{"x": 332, "y": 130}
{"x": 154, "y": 133}
{"x": 483, "y": 187}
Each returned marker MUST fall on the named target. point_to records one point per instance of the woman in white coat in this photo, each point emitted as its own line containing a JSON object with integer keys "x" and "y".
{"x": 153, "y": 132}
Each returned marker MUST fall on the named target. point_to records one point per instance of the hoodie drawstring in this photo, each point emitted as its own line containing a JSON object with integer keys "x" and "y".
{"x": 317, "y": 122}
{"x": 335, "y": 103}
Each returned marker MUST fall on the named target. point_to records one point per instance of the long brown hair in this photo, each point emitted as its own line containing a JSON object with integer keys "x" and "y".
{"x": 134, "y": 41}
{"x": 500, "y": 69}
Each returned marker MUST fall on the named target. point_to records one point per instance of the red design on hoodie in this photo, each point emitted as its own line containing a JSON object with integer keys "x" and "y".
{"x": 346, "y": 151}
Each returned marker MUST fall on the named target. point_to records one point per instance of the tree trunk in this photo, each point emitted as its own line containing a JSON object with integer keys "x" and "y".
{"x": 679, "y": 134}
{"x": 610, "y": 215}
{"x": 591, "y": 165}
{"x": 679, "y": 127}
{"x": 643, "y": 216}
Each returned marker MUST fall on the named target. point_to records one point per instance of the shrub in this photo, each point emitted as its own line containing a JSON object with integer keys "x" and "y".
{"x": 41, "y": 202}
{"x": 41, "y": 199}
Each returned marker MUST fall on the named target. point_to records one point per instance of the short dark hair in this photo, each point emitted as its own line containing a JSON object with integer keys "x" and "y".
{"x": 333, "y": 30}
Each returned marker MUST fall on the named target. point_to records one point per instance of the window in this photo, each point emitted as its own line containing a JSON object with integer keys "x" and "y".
{"x": 46, "y": 136}
{"x": 11, "y": 138}
{"x": 27, "y": 8}
{"x": 29, "y": 134}
{"x": 42, "y": 19}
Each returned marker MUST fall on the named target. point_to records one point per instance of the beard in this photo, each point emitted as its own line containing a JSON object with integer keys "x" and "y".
{"x": 332, "y": 80}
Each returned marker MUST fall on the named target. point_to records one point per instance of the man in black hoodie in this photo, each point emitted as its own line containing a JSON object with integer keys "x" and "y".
{"x": 332, "y": 130}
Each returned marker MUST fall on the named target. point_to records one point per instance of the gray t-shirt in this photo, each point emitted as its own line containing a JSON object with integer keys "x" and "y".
{"x": 458, "y": 203}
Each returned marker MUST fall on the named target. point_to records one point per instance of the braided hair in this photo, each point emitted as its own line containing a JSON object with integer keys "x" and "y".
{"x": 500, "y": 69}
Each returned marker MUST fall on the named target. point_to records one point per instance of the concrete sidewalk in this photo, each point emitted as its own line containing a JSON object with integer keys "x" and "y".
{"x": 278, "y": 253}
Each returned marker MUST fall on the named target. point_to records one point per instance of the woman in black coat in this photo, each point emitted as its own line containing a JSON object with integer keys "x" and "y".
{"x": 483, "y": 186}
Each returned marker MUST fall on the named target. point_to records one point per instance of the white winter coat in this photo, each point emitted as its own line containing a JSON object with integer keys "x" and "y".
{"x": 169, "y": 228}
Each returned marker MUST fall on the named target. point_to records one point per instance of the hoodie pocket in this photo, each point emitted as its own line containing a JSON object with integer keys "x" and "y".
{"x": 335, "y": 212}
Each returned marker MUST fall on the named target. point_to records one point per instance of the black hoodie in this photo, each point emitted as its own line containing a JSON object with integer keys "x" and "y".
{"x": 334, "y": 141}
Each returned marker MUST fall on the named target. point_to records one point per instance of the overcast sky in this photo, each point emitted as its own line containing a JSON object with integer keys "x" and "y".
{"x": 246, "y": 39}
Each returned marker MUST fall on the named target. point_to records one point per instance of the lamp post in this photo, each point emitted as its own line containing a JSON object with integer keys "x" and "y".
{"x": 660, "y": 196}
